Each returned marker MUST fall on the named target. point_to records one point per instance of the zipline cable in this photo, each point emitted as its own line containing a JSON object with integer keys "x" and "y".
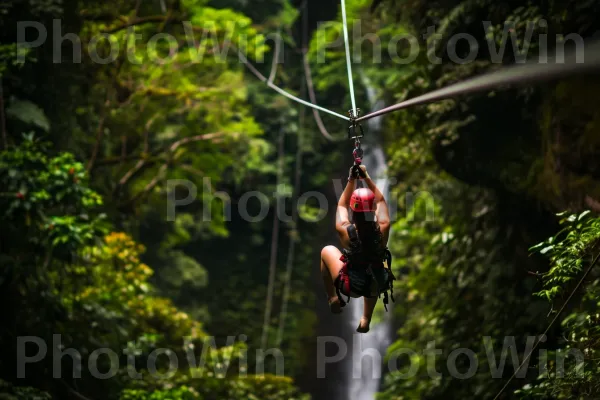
{"x": 526, "y": 359}
{"x": 293, "y": 232}
{"x": 307, "y": 84}
{"x": 274, "y": 244}
{"x": 308, "y": 74}
{"x": 275, "y": 232}
{"x": 313, "y": 98}
{"x": 275, "y": 61}
{"x": 261, "y": 77}
{"x": 293, "y": 236}
{"x": 515, "y": 75}
{"x": 348, "y": 62}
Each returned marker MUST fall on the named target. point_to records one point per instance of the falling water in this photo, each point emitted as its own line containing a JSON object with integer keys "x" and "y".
{"x": 364, "y": 375}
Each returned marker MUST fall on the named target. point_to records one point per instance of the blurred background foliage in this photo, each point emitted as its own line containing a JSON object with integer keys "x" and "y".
{"x": 88, "y": 148}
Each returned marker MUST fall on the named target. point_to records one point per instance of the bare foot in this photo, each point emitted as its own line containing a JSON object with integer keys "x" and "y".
{"x": 363, "y": 326}
{"x": 334, "y": 305}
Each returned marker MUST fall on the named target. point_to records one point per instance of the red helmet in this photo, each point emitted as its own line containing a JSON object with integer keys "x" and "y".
{"x": 362, "y": 200}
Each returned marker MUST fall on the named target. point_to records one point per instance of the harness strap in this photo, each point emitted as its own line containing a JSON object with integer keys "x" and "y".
{"x": 355, "y": 248}
{"x": 339, "y": 295}
{"x": 339, "y": 281}
{"x": 374, "y": 279}
{"x": 385, "y": 300}
{"x": 388, "y": 257}
{"x": 355, "y": 243}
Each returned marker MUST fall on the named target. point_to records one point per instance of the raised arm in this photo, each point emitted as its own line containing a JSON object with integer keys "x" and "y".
{"x": 381, "y": 209}
{"x": 342, "y": 219}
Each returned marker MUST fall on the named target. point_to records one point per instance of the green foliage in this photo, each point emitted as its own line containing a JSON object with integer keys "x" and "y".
{"x": 11, "y": 392}
{"x": 480, "y": 178}
{"x": 100, "y": 293}
{"x": 570, "y": 251}
{"x": 267, "y": 387}
{"x": 252, "y": 388}
{"x": 123, "y": 291}
{"x": 149, "y": 116}
{"x": 29, "y": 113}
{"x": 50, "y": 197}
{"x": 288, "y": 15}
{"x": 458, "y": 282}
{"x": 10, "y": 54}
{"x": 491, "y": 169}
{"x": 181, "y": 393}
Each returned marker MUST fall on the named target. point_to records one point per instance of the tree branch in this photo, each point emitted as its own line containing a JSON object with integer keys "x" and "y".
{"x": 143, "y": 161}
{"x": 274, "y": 245}
{"x": 150, "y": 19}
{"x": 308, "y": 75}
{"x": 137, "y": 21}
{"x": 159, "y": 176}
{"x": 197, "y": 138}
{"x": 161, "y": 172}
{"x": 99, "y": 136}
{"x": 106, "y": 162}
{"x": 140, "y": 164}
{"x": 192, "y": 170}
{"x": 275, "y": 61}
{"x": 168, "y": 92}
{"x": 104, "y": 16}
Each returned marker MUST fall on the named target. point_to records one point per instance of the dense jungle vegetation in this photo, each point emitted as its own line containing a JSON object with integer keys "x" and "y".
{"x": 94, "y": 153}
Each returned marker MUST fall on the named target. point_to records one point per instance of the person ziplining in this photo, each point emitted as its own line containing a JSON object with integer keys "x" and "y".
{"x": 363, "y": 267}
{"x": 365, "y": 238}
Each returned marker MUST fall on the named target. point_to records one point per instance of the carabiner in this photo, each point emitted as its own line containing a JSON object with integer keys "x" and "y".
{"x": 355, "y": 130}
{"x": 357, "y": 153}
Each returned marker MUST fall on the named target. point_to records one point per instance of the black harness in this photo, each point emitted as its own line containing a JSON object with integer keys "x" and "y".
{"x": 364, "y": 267}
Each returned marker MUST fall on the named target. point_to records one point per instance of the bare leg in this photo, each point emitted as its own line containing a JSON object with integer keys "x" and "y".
{"x": 365, "y": 320}
{"x": 330, "y": 269}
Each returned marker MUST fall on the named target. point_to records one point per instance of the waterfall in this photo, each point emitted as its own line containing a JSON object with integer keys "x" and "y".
{"x": 365, "y": 375}
{"x": 353, "y": 378}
